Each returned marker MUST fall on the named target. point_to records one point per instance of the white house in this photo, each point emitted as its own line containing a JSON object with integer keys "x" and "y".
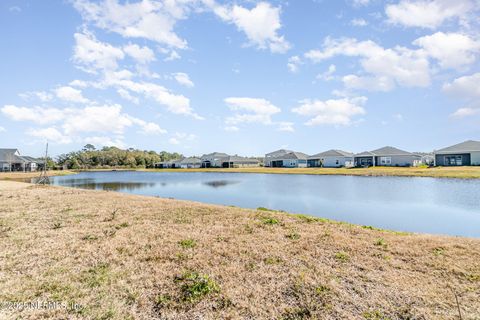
{"x": 331, "y": 159}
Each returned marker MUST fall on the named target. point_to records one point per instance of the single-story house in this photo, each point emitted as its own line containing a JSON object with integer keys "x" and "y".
{"x": 290, "y": 160}
{"x": 11, "y": 160}
{"x": 168, "y": 164}
{"x": 213, "y": 160}
{"x": 189, "y": 163}
{"x": 463, "y": 154}
{"x": 267, "y": 162}
{"x": 386, "y": 156}
{"x": 331, "y": 159}
{"x": 238, "y": 162}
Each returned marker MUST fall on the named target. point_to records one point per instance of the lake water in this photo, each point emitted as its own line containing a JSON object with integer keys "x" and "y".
{"x": 429, "y": 205}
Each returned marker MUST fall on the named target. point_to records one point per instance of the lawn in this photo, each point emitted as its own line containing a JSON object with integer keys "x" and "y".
{"x": 106, "y": 255}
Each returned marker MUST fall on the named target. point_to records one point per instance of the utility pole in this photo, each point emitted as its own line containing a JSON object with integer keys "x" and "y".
{"x": 43, "y": 179}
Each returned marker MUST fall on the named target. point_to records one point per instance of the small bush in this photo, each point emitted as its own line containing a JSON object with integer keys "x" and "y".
{"x": 270, "y": 221}
{"x": 293, "y": 236}
{"x": 187, "y": 243}
{"x": 56, "y": 225}
{"x": 264, "y": 209}
{"x": 380, "y": 242}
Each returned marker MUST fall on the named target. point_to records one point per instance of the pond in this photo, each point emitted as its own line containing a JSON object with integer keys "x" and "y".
{"x": 427, "y": 205}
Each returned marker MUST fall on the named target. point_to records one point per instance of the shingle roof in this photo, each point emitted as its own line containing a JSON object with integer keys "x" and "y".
{"x": 292, "y": 155}
{"x": 237, "y": 159}
{"x": 466, "y": 146}
{"x": 278, "y": 152}
{"x": 189, "y": 160}
{"x": 365, "y": 154}
{"x": 215, "y": 155}
{"x": 391, "y": 151}
{"x": 332, "y": 153}
{"x": 8, "y": 155}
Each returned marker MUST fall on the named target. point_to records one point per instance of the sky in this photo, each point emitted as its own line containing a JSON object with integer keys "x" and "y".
{"x": 241, "y": 77}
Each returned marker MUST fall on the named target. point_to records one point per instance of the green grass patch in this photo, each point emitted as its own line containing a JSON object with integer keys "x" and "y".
{"x": 270, "y": 221}
{"x": 195, "y": 286}
{"x": 342, "y": 256}
{"x": 188, "y": 243}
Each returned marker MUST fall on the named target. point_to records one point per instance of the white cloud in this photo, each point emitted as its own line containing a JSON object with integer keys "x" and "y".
{"x": 378, "y": 83}
{"x": 181, "y": 137}
{"x": 152, "y": 20}
{"x": 148, "y": 128}
{"x": 36, "y": 114}
{"x": 294, "y": 63}
{"x": 466, "y": 86}
{"x": 93, "y": 55}
{"x": 427, "y": 13}
{"x": 338, "y": 112}
{"x": 2, "y": 129}
{"x": 361, "y": 2}
{"x": 70, "y": 94}
{"x": 250, "y": 110}
{"x": 358, "y": 22}
{"x": 127, "y": 96}
{"x": 50, "y": 134}
{"x": 465, "y": 112}
{"x": 452, "y": 50}
{"x": 260, "y": 24}
{"x": 328, "y": 75}
{"x": 140, "y": 54}
{"x": 40, "y": 95}
{"x": 102, "y": 141}
{"x": 183, "y": 79}
{"x": 285, "y": 126}
{"x": 231, "y": 128}
{"x": 399, "y": 65}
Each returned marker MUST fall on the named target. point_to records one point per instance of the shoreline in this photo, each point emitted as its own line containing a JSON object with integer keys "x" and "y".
{"x": 120, "y": 255}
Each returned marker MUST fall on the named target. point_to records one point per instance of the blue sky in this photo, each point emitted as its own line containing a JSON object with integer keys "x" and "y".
{"x": 244, "y": 77}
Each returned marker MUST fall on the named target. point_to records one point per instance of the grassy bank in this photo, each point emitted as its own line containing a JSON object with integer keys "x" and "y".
{"x": 131, "y": 257}
{"x": 29, "y": 175}
{"x": 438, "y": 172}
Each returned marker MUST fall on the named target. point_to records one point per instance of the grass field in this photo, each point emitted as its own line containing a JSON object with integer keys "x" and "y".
{"x": 472, "y": 172}
{"x": 28, "y": 175}
{"x": 118, "y": 256}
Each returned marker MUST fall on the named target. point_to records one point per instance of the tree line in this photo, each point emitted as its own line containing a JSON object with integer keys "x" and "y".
{"x": 89, "y": 157}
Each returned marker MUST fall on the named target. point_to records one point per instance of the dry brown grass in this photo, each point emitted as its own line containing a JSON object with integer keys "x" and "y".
{"x": 131, "y": 257}
{"x": 28, "y": 175}
{"x": 471, "y": 172}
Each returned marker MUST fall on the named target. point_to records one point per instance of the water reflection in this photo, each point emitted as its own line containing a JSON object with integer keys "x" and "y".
{"x": 220, "y": 183}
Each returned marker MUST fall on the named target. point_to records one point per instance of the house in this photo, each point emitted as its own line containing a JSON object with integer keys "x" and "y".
{"x": 188, "y": 163}
{"x": 291, "y": 159}
{"x": 239, "y": 162}
{"x": 463, "y": 154}
{"x": 331, "y": 159}
{"x": 168, "y": 164}
{"x": 11, "y": 160}
{"x": 267, "y": 162}
{"x": 386, "y": 156}
{"x": 213, "y": 160}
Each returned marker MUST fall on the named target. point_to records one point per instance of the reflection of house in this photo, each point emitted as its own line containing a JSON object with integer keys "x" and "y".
{"x": 11, "y": 160}
{"x": 189, "y": 163}
{"x": 238, "y": 162}
{"x": 213, "y": 160}
{"x": 463, "y": 154}
{"x": 267, "y": 162}
{"x": 290, "y": 159}
{"x": 386, "y": 156}
{"x": 331, "y": 159}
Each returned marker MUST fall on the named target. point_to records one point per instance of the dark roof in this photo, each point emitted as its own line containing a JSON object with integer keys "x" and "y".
{"x": 467, "y": 146}
{"x": 365, "y": 154}
{"x": 215, "y": 155}
{"x": 332, "y": 153}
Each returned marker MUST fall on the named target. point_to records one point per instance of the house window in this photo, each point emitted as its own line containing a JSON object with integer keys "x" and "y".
{"x": 453, "y": 160}
{"x": 385, "y": 160}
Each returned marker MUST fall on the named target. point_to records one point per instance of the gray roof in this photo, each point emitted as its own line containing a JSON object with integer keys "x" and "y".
{"x": 467, "y": 146}
{"x": 215, "y": 155}
{"x": 385, "y": 151}
{"x": 237, "y": 159}
{"x": 278, "y": 152}
{"x": 332, "y": 153}
{"x": 8, "y": 155}
{"x": 191, "y": 160}
{"x": 292, "y": 155}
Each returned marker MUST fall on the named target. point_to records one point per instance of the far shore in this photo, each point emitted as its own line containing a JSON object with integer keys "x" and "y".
{"x": 108, "y": 255}
{"x": 470, "y": 172}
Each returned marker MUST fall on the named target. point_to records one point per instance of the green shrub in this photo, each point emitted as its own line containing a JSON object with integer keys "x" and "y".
{"x": 187, "y": 243}
{"x": 196, "y": 286}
